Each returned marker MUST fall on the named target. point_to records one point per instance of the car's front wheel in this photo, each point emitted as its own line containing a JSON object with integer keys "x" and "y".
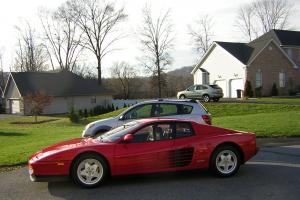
{"x": 225, "y": 161}
{"x": 182, "y": 96}
{"x": 89, "y": 170}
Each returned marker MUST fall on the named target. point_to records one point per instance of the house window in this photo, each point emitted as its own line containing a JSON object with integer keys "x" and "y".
{"x": 282, "y": 79}
{"x": 258, "y": 79}
{"x": 93, "y": 100}
{"x": 205, "y": 78}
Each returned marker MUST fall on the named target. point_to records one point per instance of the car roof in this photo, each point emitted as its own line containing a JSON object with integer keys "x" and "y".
{"x": 153, "y": 120}
{"x": 170, "y": 101}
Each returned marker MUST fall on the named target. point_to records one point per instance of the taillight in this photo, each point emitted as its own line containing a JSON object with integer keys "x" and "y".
{"x": 207, "y": 119}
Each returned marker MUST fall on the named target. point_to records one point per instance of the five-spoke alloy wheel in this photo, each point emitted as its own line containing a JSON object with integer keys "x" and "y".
{"x": 225, "y": 161}
{"x": 89, "y": 170}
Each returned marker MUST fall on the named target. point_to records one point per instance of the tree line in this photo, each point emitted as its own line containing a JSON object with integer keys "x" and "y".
{"x": 80, "y": 27}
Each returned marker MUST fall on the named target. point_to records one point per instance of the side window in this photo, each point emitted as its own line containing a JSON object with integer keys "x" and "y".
{"x": 139, "y": 112}
{"x": 186, "y": 109}
{"x": 184, "y": 130}
{"x": 204, "y": 87}
{"x": 192, "y": 88}
{"x": 154, "y": 132}
{"x": 198, "y": 87}
{"x": 165, "y": 110}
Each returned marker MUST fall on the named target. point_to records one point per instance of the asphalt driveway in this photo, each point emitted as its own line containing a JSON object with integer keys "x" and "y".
{"x": 274, "y": 173}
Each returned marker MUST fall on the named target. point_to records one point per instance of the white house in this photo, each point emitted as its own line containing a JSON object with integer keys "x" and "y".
{"x": 221, "y": 67}
{"x": 67, "y": 89}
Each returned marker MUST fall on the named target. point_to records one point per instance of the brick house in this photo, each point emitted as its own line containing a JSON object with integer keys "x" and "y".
{"x": 272, "y": 58}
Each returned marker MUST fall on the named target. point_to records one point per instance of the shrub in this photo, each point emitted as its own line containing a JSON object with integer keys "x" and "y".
{"x": 85, "y": 113}
{"x": 80, "y": 113}
{"x": 258, "y": 91}
{"x": 124, "y": 106}
{"x": 248, "y": 92}
{"x": 274, "y": 91}
{"x": 73, "y": 116}
{"x": 91, "y": 112}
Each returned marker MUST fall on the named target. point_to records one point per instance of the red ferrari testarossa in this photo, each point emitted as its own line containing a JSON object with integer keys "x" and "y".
{"x": 145, "y": 146}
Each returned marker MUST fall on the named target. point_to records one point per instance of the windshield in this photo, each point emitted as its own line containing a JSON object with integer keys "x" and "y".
{"x": 115, "y": 134}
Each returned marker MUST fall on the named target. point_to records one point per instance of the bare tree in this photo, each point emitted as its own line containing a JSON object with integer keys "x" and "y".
{"x": 157, "y": 40}
{"x": 62, "y": 37}
{"x": 2, "y": 82}
{"x": 261, "y": 16}
{"x": 201, "y": 33}
{"x": 99, "y": 22}
{"x": 30, "y": 55}
{"x": 125, "y": 74}
{"x": 272, "y": 14}
{"x": 245, "y": 22}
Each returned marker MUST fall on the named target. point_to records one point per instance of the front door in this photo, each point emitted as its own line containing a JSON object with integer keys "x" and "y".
{"x": 148, "y": 152}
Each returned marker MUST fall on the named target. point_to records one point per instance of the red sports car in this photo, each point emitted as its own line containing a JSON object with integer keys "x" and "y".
{"x": 145, "y": 146}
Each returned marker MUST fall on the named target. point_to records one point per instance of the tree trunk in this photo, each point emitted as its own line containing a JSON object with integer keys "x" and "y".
{"x": 35, "y": 118}
{"x": 99, "y": 70}
{"x": 158, "y": 79}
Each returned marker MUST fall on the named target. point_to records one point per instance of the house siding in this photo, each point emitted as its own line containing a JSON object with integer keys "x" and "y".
{"x": 271, "y": 61}
{"x": 222, "y": 66}
{"x": 62, "y": 105}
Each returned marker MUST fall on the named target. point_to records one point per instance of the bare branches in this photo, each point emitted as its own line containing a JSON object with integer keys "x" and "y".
{"x": 157, "y": 40}
{"x": 125, "y": 74}
{"x": 99, "y": 22}
{"x": 201, "y": 33}
{"x": 31, "y": 55}
{"x": 62, "y": 38}
{"x": 263, "y": 15}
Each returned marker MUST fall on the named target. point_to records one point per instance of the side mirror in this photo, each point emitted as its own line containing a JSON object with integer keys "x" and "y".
{"x": 128, "y": 138}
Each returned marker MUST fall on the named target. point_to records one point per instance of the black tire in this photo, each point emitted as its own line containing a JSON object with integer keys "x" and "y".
{"x": 82, "y": 158}
{"x": 182, "y": 96}
{"x": 216, "y": 100}
{"x": 206, "y": 98}
{"x": 213, "y": 161}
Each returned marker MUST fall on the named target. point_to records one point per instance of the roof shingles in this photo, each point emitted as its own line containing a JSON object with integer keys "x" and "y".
{"x": 57, "y": 84}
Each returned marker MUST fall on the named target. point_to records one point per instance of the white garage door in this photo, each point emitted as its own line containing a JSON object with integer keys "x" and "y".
{"x": 222, "y": 84}
{"x": 15, "y": 106}
{"x": 236, "y": 84}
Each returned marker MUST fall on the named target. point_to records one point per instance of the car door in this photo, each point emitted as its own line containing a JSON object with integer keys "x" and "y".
{"x": 190, "y": 92}
{"x": 184, "y": 145}
{"x": 138, "y": 112}
{"x": 148, "y": 152}
{"x": 199, "y": 91}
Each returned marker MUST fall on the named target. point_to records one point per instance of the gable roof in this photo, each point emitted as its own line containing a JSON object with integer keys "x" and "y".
{"x": 239, "y": 50}
{"x": 246, "y": 52}
{"x": 56, "y": 84}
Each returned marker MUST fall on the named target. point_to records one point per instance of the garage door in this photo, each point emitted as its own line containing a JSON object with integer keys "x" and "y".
{"x": 15, "y": 106}
{"x": 222, "y": 84}
{"x": 236, "y": 84}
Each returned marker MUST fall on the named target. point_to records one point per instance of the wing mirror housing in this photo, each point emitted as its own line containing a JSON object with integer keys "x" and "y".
{"x": 121, "y": 117}
{"x": 128, "y": 138}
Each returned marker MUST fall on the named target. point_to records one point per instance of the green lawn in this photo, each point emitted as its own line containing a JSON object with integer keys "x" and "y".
{"x": 276, "y": 100}
{"x": 19, "y": 141}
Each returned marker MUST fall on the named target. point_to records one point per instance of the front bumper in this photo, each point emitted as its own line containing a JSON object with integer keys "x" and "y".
{"x": 56, "y": 178}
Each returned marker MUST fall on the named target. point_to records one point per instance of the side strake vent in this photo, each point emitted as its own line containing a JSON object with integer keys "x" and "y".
{"x": 181, "y": 157}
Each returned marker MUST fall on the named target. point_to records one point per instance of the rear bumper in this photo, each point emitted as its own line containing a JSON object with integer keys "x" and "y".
{"x": 217, "y": 95}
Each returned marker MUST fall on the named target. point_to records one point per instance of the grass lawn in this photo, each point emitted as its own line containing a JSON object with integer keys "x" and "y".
{"x": 19, "y": 141}
{"x": 277, "y": 100}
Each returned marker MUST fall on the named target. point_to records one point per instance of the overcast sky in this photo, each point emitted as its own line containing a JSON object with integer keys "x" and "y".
{"x": 183, "y": 13}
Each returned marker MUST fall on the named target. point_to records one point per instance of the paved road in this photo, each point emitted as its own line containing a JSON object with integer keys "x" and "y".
{"x": 273, "y": 174}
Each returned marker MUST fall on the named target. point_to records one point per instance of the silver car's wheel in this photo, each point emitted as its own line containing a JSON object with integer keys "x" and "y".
{"x": 206, "y": 98}
{"x": 226, "y": 161}
{"x": 90, "y": 171}
{"x": 182, "y": 97}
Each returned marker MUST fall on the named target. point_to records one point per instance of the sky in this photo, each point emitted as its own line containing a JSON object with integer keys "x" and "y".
{"x": 183, "y": 12}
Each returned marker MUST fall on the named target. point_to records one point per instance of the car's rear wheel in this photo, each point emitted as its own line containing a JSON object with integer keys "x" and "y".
{"x": 206, "y": 98}
{"x": 225, "y": 161}
{"x": 182, "y": 96}
{"x": 89, "y": 170}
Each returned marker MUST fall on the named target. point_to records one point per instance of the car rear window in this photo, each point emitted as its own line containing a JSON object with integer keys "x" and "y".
{"x": 215, "y": 86}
